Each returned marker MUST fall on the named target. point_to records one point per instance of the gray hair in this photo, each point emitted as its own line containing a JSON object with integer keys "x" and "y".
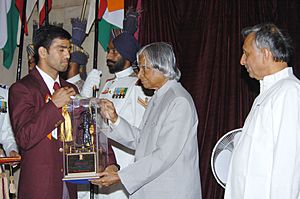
{"x": 271, "y": 37}
{"x": 161, "y": 56}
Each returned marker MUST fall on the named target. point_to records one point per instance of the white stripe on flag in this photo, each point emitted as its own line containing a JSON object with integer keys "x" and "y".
{"x": 4, "y": 8}
{"x": 29, "y": 8}
{"x": 91, "y": 16}
{"x": 115, "y": 18}
{"x": 41, "y": 4}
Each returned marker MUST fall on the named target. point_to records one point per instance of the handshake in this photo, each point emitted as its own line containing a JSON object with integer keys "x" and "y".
{"x": 93, "y": 79}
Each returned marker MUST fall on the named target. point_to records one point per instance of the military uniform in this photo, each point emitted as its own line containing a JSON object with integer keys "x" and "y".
{"x": 130, "y": 102}
{"x": 77, "y": 81}
{"x": 6, "y": 135}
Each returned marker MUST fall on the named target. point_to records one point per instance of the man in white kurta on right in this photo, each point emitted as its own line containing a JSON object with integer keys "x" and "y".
{"x": 266, "y": 160}
{"x": 128, "y": 98}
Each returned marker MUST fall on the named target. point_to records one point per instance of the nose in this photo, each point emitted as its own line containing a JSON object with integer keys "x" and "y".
{"x": 67, "y": 53}
{"x": 140, "y": 74}
{"x": 109, "y": 54}
{"x": 243, "y": 60}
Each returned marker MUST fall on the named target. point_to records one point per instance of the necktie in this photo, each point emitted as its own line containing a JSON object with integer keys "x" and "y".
{"x": 56, "y": 86}
{"x": 54, "y": 132}
{"x": 65, "y": 129}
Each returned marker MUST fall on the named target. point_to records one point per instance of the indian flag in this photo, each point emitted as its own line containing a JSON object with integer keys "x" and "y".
{"x": 110, "y": 15}
{"x": 42, "y": 10}
{"x": 11, "y": 22}
{"x": 9, "y": 19}
{"x": 29, "y": 8}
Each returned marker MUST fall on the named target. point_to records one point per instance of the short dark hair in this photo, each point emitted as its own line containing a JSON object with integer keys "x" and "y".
{"x": 45, "y": 35}
{"x": 268, "y": 35}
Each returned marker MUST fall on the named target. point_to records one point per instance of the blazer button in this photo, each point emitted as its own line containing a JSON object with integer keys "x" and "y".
{"x": 61, "y": 170}
{"x": 60, "y": 149}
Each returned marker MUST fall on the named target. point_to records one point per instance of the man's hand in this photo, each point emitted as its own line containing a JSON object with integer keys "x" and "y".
{"x": 108, "y": 110}
{"x": 62, "y": 96}
{"x": 108, "y": 177}
{"x": 112, "y": 168}
{"x": 93, "y": 79}
{"x": 13, "y": 153}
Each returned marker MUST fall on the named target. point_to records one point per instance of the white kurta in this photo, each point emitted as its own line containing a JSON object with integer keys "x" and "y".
{"x": 166, "y": 158}
{"x": 7, "y": 138}
{"x": 266, "y": 162}
{"x": 129, "y": 100}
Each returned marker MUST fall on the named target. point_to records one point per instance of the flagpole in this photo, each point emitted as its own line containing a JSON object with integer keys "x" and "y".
{"x": 95, "y": 44}
{"x": 46, "y": 13}
{"x": 21, "y": 43}
{"x": 96, "y": 36}
{"x": 95, "y": 59}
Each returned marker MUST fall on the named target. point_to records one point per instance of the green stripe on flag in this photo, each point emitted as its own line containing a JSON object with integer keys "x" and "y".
{"x": 12, "y": 30}
{"x": 104, "y": 29}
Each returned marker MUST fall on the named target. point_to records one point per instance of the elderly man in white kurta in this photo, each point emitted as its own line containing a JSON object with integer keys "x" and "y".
{"x": 265, "y": 163}
{"x": 166, "y": 159}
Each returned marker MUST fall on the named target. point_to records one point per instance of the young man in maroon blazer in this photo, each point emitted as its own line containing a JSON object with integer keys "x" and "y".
{"x": 34, "y": 116}
{"x": 35, "y": 102}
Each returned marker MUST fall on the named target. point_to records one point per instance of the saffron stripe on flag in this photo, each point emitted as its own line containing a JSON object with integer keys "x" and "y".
{"x": 113, "y": 5}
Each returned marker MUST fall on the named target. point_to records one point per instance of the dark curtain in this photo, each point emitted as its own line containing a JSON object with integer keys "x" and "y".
{"x": 207, "y": 42}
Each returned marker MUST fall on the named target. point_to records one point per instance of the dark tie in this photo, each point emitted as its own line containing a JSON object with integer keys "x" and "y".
{"x": 56, "y": 86}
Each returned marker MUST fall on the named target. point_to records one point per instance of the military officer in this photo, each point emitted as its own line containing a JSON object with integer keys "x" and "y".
{"x": 128, "y": 97}
{"x": 7, "y": 138}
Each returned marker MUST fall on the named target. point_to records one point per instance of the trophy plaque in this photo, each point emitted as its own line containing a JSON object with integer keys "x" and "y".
{"x": 84, "y": 145}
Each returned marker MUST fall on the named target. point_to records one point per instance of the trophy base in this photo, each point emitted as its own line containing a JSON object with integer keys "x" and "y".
{"x": 66, "y": 178}
{"x": 80, "y": 166}
{"x": 79, "y": 180}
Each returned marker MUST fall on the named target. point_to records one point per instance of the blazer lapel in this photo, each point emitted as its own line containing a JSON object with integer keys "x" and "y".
{"x": 39, "y": 82}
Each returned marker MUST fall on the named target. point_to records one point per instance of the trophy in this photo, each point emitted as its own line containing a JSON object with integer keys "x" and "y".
{"x": 84, "y": 145}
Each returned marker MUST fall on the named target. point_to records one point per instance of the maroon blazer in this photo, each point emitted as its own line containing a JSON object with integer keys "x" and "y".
{"x": 32, "y": 120}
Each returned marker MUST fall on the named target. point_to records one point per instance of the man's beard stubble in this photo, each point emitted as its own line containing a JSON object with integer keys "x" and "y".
{"x": 115, "y": 66}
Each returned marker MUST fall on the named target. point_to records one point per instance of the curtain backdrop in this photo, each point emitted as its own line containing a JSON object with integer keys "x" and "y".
{"x": 207, "y": 42}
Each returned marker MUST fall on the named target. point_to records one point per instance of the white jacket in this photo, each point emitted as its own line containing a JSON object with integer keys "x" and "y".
{"x": 7, "y": 138}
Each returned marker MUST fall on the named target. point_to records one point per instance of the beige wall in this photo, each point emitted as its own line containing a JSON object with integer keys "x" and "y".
{"x": 62, "y": 12}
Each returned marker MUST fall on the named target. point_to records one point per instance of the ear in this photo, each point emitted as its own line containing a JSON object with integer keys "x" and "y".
{"x": 267, "y": 55}
{"x": 42, "y": 52}
{"x": 127, "y": 64}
